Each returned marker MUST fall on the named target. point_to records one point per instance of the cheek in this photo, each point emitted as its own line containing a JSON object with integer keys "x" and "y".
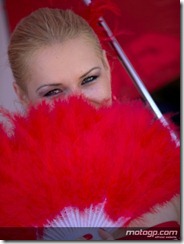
{"x": 33, "y": 99}
{"x": 103, "y": 88}
{"x": 98, "y": 92}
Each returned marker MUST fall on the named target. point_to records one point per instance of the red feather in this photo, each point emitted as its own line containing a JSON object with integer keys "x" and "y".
{"x": 72, "y": 154}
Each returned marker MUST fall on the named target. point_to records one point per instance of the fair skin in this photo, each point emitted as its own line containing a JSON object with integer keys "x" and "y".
{"x": 61, "y": 70}
{"x": 73, "y": 67}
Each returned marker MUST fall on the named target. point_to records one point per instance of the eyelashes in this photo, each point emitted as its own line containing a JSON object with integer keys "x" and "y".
{"x": 89, "y": 79}
{"x": 57, "y": 91}
{"x": 53, "y": 92}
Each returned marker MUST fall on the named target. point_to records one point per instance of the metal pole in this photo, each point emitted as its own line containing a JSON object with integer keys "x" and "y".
{"x": 134, "y": 75}
{"x": 132, "y": 72}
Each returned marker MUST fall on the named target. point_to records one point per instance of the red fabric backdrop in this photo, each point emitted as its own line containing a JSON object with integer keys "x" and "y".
{"x": 149, "y": 32}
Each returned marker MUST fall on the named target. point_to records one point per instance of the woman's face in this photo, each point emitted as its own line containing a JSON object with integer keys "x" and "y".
{"x": 70, "y": 68}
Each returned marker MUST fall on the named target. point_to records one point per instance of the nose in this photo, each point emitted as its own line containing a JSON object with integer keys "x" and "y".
{"x": 74, "y": 91}
{"x": 77, "y": 91}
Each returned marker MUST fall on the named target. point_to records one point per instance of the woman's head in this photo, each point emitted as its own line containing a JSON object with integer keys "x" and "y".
{"x": 54, "y": 53}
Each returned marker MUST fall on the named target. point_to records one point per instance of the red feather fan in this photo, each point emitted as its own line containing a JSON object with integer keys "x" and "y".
{"x": 71, "y": 165}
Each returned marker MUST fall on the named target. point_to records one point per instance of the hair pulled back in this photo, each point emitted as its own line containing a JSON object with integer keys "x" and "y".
{"x": 42, "y": 28}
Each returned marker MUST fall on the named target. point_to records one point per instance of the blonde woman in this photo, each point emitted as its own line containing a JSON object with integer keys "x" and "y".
{"x": 54, "y": 54}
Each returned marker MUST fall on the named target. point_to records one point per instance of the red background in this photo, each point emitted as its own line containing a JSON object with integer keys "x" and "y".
{"x": 148, "y": 31}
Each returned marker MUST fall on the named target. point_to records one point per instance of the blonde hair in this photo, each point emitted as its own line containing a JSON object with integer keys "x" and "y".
{"x": 41, "y": 28}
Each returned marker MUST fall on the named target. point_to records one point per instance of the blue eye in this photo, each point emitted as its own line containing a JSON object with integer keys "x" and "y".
{"x": 53, "y": 92}
{"x": 89, "y": 79}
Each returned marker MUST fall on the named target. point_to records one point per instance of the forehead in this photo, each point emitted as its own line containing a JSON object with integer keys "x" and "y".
{"x": 71, "y": 57}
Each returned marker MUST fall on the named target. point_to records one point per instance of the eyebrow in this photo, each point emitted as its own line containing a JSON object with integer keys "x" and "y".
{"x": 59, "y": 84}
{"x": 52, "y": 84}
{"x": 89, "y": 71}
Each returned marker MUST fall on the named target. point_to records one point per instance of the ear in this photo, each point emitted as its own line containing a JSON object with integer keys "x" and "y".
{"x": 23, "y": 98}
{"x": 105, "y": 60}
{"x": 106, "y": 63}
